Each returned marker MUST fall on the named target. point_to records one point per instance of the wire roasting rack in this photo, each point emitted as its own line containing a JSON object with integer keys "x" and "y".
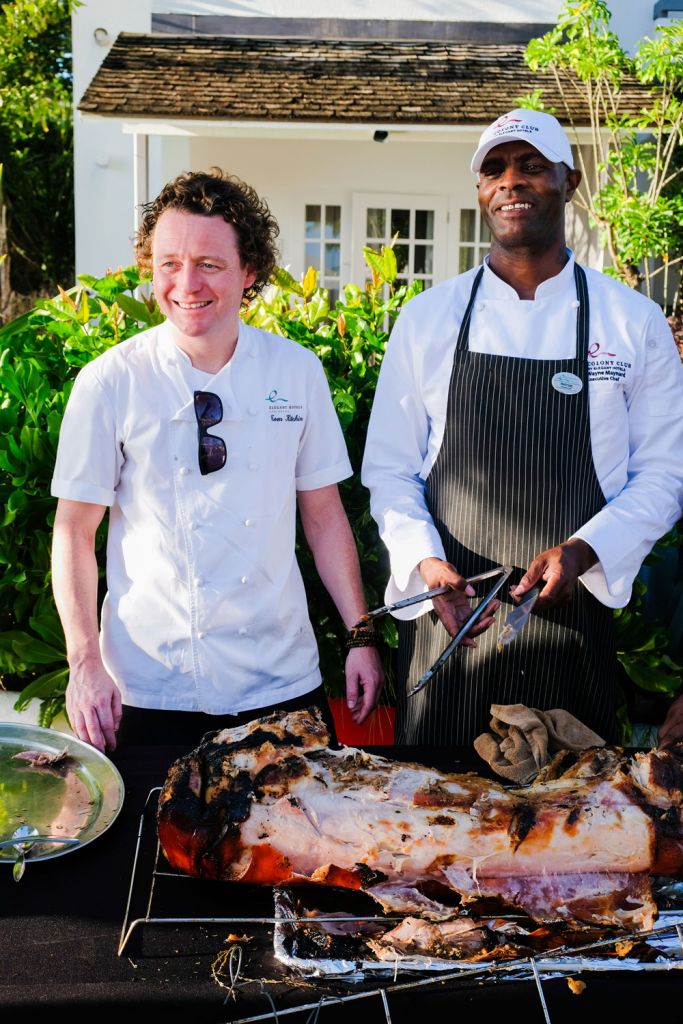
{"x": 228, "y": 970}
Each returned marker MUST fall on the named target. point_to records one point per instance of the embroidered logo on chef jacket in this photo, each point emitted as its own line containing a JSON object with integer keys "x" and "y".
{"x": 275, "y": 397}
{"x": 603, "y": 364}
{"x": 282, "y": 410}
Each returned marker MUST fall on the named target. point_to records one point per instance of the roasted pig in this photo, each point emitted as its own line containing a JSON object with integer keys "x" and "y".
{"x": 270, "y": 802}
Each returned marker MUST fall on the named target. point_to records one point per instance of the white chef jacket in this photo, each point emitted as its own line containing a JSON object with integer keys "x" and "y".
{"x": 636, "y": 415}
{"x": 206, "y": 608}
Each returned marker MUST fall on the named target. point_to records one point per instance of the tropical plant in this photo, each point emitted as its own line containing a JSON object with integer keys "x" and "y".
{"x": 632, "y": 186}
{"x": 40, "y": 355}
{"x": 36, "y": 213}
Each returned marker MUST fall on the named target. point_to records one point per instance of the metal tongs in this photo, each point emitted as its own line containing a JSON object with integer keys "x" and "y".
{"x": 502, "y": 571}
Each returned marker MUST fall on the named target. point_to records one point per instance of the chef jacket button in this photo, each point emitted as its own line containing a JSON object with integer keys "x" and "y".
{"x": 479, "y": 307}
{"x": 192, "y": 525}
{"x": 184, "y": 470}
{"x": 248, "y": 522}
{"x": 199, "y": 581}
{"x": 201, "y": 635}
{"x": 575, "y": 303}
{"x": 244, "y": 579}
{"x": 253, "y": 410}
{"x": 652, "y": 343}
{"x": 242, "y": 631}
{"x": 253, "y": 465}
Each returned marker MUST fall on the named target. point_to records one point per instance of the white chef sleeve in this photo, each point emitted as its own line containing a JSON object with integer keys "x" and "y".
{"x": 88, "y": 457}
{"x": 625, "y": 530}
{"x": 394, "y": 461}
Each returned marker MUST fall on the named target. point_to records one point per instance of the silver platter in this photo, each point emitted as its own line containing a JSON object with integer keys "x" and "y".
{"x": 76, "y": 798}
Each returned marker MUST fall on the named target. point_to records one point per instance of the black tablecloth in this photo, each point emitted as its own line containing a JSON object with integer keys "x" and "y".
{"x": 61, "y": 925}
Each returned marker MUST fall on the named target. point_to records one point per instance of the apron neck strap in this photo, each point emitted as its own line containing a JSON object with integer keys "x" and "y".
{"x": 582, "y": 318}
{"x": 464, "y": 333}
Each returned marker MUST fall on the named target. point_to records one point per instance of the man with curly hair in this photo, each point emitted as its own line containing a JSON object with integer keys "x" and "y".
{"x": 201, "y": 436}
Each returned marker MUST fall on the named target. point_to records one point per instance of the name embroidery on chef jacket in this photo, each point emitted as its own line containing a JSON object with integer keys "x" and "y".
{"x": 604, "y": 363}
{"x": 282, "y": 410}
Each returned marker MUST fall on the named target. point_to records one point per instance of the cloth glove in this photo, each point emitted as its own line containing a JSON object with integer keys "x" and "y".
{"x": 522, "y": 739}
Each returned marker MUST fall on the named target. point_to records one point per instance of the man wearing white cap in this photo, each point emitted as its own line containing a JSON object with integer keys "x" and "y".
{"x": 528, "y": 413}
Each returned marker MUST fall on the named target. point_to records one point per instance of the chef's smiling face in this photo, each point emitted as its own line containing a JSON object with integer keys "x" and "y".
{"x": 199, "y": 279}
{"x": 522, "y": 195}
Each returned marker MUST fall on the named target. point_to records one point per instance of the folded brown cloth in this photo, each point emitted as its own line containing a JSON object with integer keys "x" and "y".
{"x": 526, "y": 737}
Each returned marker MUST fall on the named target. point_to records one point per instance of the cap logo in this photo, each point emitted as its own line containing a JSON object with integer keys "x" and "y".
{"x": 504, "y": 120}
{"x": 514, "y": 128}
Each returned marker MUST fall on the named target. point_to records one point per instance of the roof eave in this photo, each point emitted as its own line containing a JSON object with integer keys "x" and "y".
{"x": 350, "y": 131}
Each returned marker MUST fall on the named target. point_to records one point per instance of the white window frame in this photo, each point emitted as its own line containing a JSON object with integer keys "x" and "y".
{"x": 478, "y": 246}
{"x": 325, "y": 280}
{"x": 362, "y": 201}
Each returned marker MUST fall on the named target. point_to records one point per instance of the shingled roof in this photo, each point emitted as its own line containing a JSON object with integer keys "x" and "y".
{"x": 416, "y": 82}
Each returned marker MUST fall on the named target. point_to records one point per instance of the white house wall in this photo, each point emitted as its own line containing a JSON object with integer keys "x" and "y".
{"x": 103, "y": 160}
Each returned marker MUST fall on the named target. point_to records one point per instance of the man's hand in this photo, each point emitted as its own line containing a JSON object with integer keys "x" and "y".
{"x": 93, "y": 704}
{"x": 559, "y": 568}
{"x": 453, "y": 608}
{"x": 364, "y": 681}
{"x": 672, "y": 727}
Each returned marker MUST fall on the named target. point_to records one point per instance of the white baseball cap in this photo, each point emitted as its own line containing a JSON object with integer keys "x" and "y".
{"x": 542, "y": 131}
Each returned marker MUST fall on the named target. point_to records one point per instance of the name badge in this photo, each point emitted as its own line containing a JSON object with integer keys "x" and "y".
{"x": 567, "y": 383}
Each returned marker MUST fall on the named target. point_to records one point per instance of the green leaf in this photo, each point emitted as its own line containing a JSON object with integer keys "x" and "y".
{"x": 390, "y": 268}
{"x": 43, "y": 687}
{"x": 284, "y": 280}
{"x": 374, "y": 260}
{"x": 33, "y": 651}
{"x": 48, "y": 628}
{"x": 138, "y": 310}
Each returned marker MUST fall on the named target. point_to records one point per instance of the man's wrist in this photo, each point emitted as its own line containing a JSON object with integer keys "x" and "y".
{"x": 84, "y": 658}
{"x": 585, "y": 554}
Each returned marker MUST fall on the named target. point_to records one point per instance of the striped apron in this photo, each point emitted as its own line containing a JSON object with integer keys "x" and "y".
{"x": 514, "y": 476}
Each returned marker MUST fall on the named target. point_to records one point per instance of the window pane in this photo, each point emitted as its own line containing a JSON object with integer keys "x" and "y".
{"x": 332, "y": 259}
{"x": 333, "y": 222}
{"x": 481, "y": 252}
{"x": 424, "y": 223}
{"x": 376, "y": 220}
{"x": 423, "y": 259}
{"x": 466, "y": 260}
{"x": 400, "y": 222}
{"x": 334, "y": 296}
{"x": 467, "y": 223}
{"x": 312, "y": 255}
{"x": 401, "y": 252}
{"x": 484, "y": 233}
{"x": 312, "y": 222}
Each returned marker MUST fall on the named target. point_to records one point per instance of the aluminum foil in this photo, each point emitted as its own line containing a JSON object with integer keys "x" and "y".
{"x": 664, "y": 948}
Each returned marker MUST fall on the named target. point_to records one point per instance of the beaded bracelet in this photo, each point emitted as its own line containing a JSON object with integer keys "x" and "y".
{"x": 361, "y": 636}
